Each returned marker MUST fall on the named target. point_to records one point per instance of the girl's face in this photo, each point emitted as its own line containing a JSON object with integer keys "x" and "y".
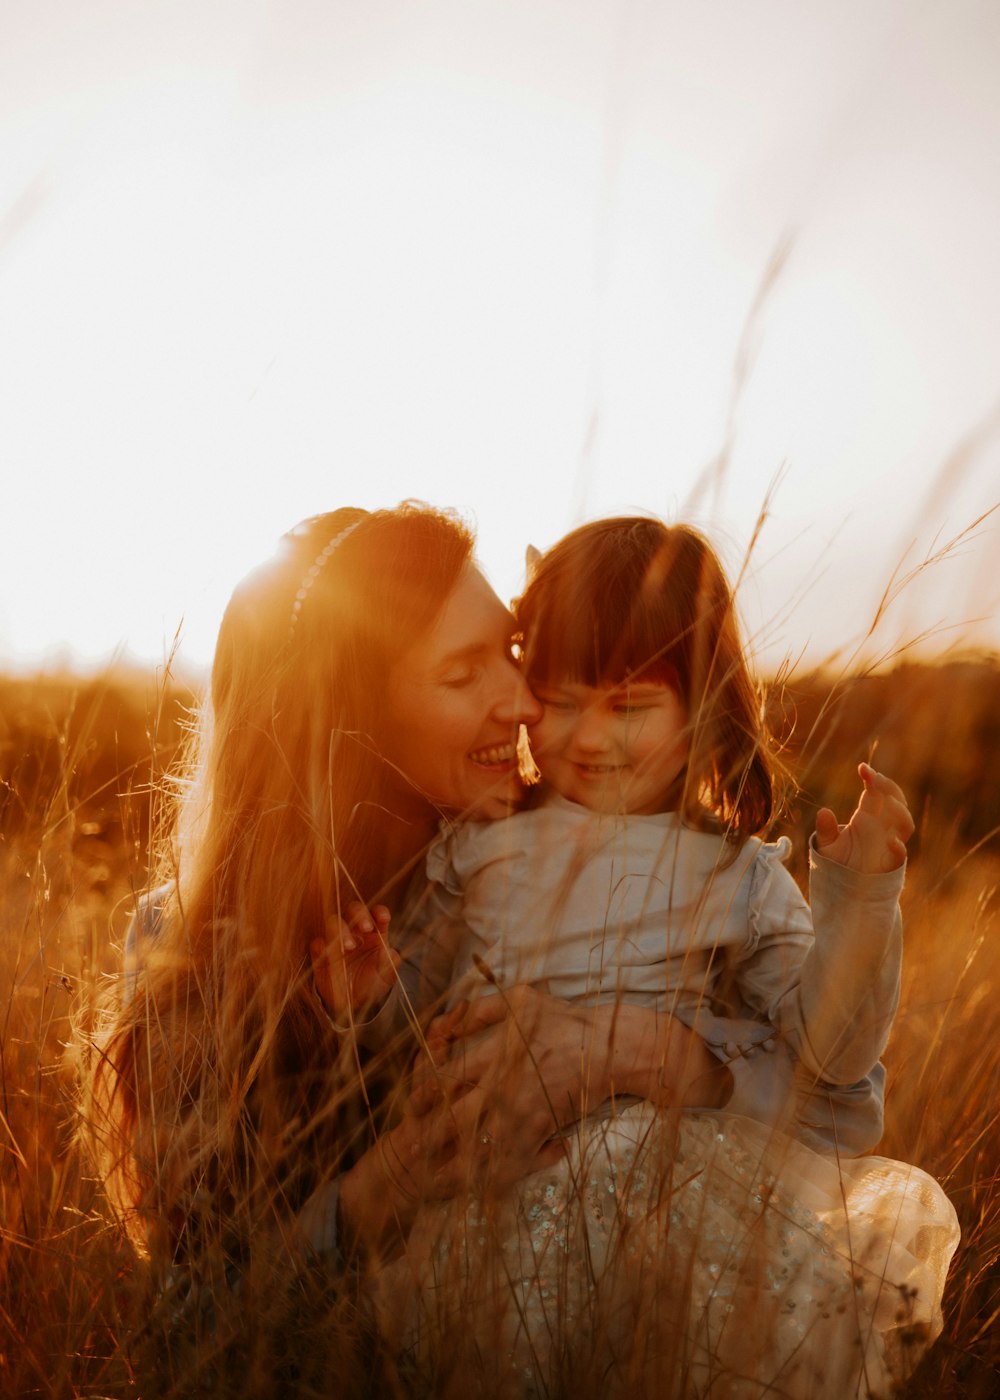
{"x": 456, "y": 700}
{"x": 612, "y": 749}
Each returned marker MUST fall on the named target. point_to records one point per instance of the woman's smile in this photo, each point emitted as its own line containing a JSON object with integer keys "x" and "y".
{"x": 456, "y": 702}
{"x": 499, "y": 757}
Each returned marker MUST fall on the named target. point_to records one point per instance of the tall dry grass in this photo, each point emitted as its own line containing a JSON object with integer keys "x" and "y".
{"x": 81, "y": 1315}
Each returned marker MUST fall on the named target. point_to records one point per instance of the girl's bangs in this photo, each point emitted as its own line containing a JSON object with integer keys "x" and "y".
{"x": 579, "y": 644}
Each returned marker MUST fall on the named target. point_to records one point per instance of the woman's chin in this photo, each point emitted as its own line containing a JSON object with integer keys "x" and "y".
{"x": 500, "y": 794}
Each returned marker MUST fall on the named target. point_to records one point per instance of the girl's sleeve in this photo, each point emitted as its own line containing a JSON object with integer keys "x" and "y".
{"x": 435, "y": 928}
{"x": 829, "y": 981}
{"x": 423, "y": 940}
{"x": 849, "y": 991}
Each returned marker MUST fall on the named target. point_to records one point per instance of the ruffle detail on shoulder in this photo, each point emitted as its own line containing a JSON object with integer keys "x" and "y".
{"x": 439, "y": 864}
{"x": 774, "y": 897}
{"x": 460, "y": 852}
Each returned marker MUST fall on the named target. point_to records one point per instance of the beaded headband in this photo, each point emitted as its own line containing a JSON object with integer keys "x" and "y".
{"x": 314, "y": 571}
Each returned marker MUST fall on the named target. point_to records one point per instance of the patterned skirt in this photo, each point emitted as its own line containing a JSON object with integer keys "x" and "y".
{"x": 703, "y": 1257}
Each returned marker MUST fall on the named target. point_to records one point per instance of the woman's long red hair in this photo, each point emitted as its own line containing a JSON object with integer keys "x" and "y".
{"x": 222, "y": 1090}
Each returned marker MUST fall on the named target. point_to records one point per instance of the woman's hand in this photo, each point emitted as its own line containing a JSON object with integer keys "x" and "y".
{"x": 430, "y": 1155}
{"x": 520, "y": 1061}
{"x": 874, "y": 840}
{"x": 499, "y": 1079}
{"x": 517, "y": 1067}
{"x": 355, "y": 968}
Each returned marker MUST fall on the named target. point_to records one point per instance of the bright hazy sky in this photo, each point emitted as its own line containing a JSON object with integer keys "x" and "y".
{"x": 258, "y": 260}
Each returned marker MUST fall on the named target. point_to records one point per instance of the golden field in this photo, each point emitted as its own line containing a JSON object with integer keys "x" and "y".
{"x": 80, "y": 762}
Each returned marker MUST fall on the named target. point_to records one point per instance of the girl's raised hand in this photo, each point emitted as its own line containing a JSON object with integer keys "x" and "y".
{"x": 355, "y": 966}
{"x": 874, "y": 840}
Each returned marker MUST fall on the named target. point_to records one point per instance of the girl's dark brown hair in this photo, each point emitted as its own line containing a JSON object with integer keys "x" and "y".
{"x": 632, "y": 598}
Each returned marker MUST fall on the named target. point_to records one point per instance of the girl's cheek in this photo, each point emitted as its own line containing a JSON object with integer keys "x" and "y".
{"x": 561, "y": 733}
{"x": 543, "y": 734}
{"x": 537, "y": 734}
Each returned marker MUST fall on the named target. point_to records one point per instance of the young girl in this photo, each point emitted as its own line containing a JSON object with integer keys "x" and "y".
{"x": 635, "y": 876}
{"x": 705, "y": 1254}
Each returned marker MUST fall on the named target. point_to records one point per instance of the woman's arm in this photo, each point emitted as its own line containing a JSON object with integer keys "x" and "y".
{"x": 508, "y": 1072}
{"x": 426, "y": 1157}
{"x": 498, "y": 1081}
{"x": 519, "y": 1067}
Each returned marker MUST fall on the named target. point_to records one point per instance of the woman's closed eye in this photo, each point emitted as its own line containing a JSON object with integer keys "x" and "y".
{"x": 458, "y": 680}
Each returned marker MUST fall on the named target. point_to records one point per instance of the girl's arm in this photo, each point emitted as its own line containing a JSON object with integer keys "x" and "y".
{"x": 356, "y": 974}
{"x": 848, "y": 992}
{"x": 834, "y": 996}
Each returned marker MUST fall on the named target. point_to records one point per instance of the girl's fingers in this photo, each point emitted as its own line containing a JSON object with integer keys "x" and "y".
{"x": 827, "y": 827}
{"x": 886, "y": 800}
{"x": 360, "y": 924}
{"x": 875, "y": 781}
{"x": 359, "y": 921}
{"x": 891, "y": 813}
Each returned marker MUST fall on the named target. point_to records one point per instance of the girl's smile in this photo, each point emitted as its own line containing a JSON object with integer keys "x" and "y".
{"x": 611, "y": 748}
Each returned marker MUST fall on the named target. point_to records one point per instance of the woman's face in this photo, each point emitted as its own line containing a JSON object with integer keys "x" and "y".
{"x": 456, "y": 699}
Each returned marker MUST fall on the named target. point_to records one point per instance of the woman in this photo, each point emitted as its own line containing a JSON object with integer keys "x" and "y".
{"x": 363, "y": 684}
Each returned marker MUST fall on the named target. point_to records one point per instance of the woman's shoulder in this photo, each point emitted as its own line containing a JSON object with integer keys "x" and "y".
{"x": 144, "y": 927}
{"x": 147, "y": 917}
